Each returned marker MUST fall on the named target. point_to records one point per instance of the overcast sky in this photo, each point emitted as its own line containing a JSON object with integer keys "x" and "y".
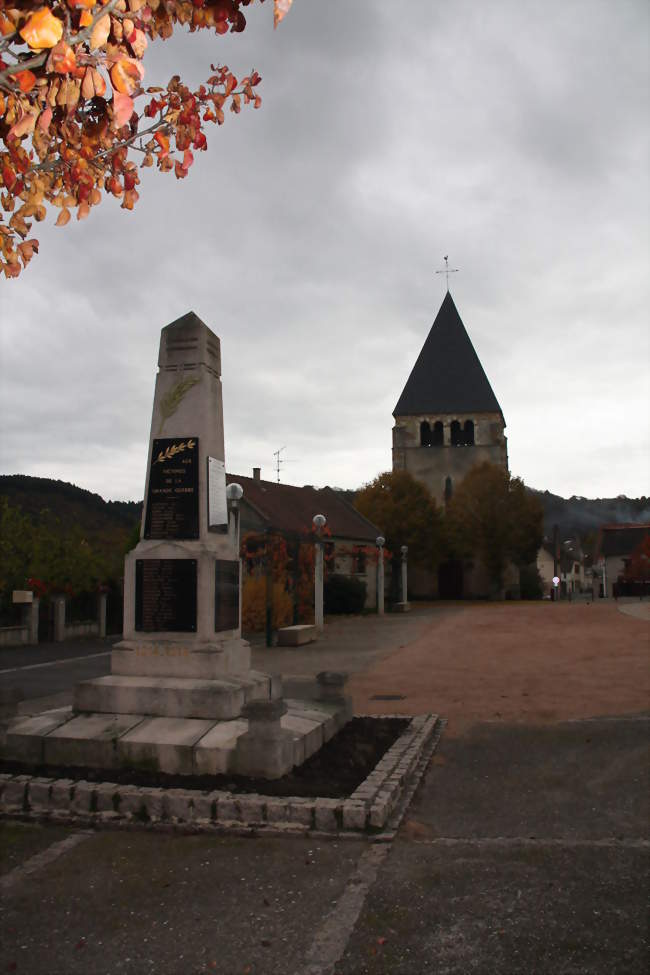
{"x": 512, "y": 136}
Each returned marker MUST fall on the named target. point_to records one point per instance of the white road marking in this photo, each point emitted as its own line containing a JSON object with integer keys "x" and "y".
{"x": 56, "y": 663}
{"x": 42, "y": 859}
{"x": 332, "y": 937}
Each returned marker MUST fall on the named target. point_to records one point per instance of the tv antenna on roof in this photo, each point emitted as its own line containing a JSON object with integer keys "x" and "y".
{"x": 279, "y": 461}
{"x": 446, "y": 270}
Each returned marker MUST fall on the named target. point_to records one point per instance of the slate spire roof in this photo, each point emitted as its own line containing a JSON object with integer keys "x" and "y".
{"x": 448, "y": 376}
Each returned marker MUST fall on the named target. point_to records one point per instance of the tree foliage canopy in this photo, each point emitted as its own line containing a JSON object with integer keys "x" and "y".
{"x": 42, "y": 555}
{"x": 406, "y": 513}
{"x": 74, "y": 113}
{"x": 493, "y": 517}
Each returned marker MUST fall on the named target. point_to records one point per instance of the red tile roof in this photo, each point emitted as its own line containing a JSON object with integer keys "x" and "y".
{"x": 621, "y": 539}
{"x": 288, "y": 508}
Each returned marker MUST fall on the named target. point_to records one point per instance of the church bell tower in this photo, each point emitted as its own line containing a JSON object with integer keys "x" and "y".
{"x": 447, "y": 419}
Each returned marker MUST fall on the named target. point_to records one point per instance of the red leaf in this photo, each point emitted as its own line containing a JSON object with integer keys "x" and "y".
{"x": 122, "y": 108}
{"x": 44, "y": 119}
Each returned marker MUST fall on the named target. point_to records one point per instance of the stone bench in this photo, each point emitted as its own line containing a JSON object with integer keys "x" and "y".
{"x": 296, "y": 636}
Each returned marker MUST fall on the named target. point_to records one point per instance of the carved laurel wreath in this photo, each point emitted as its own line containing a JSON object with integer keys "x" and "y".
{"x": 173, "y": 449}
{"x": 172, "y": 400}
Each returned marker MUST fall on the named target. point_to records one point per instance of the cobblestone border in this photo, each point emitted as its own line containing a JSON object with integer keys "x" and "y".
{"x": 375, "y": 806}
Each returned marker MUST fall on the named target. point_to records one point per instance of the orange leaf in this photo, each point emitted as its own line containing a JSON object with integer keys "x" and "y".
{"x": 23, "y": 127}
{"x": 11, "y": 269}
{"x": 83, "y": 211}
{"x": 122, "y": 108}
{"x": 62, "y": 59}
{"x": 280, "y": 10}
{"x": 138, "y": 42}
{"x": 6, "y": 26}
{"x": 93, "y": 84}
{"x": 42, "y": 30}
{"x": 27, "y": 250}
{"x": 163, "y": 142}
{"x": 130, "y": 199}
{"x": 85, "y": 18}
{"x": 26, "y": 80}
{"x": 63, "y": 218}
{"x": 100, "y": 32}
{"x": 126, "y": 75}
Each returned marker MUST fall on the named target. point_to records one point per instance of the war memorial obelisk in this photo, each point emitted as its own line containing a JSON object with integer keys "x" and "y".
{"x": 181, "y": 697}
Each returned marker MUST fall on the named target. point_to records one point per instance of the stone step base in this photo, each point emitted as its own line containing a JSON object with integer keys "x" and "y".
{"x": 174, "y": 697}
{"x": 185, "y": 746}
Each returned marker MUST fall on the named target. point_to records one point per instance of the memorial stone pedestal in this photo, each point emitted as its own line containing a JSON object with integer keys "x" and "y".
{"x": 180, "y": 691}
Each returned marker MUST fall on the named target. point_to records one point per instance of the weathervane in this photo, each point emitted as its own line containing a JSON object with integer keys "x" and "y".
{"x": 447, "y": 270}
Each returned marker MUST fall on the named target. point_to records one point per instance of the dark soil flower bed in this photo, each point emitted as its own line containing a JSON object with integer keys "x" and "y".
{"x": 334, "y": 772}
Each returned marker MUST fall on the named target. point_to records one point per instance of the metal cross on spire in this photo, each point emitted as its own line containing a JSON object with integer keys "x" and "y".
{"x": 447, "y": 270}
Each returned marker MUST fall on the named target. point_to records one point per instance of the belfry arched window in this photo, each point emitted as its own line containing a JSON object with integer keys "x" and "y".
{"x": 468, "y": 431}
{"x": 456, "y": 434}
{"x": 425, "y": 434}
{"x": 438, "y": 434}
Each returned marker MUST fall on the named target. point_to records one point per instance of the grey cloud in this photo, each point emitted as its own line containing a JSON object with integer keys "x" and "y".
{"x": 511, "y": 136}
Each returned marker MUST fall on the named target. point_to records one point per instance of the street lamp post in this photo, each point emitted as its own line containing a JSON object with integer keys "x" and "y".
{"x": 319, "y": 522}
{"x": 404, "y": 550}
{"x": 380, "y": 541}
{"x": 234, "y": 494}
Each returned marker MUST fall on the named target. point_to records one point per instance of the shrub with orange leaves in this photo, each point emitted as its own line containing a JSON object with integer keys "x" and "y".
{"x": 254, "y": 605}
{"x": 74, "y": 113}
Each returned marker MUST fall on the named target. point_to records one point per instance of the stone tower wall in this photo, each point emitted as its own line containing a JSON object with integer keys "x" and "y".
{"x": 432, "y": 465}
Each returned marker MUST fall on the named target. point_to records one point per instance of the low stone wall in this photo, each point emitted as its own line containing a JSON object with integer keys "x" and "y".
{"x": 374, "y": 807}
{"x": 83, "y": 628}
{"x": 14, "y": 636}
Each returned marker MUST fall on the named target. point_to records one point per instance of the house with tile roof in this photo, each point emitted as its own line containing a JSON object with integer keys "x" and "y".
{"x": 616, "y": 545}
{"x": 288, "y": 510}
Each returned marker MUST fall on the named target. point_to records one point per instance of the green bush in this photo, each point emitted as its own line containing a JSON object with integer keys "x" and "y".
{"x": 343, "y": 594}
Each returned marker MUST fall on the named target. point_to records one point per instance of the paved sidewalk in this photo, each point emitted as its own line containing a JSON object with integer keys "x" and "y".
{"x": 638, "y": 608}
{"x": 525, "y": 851}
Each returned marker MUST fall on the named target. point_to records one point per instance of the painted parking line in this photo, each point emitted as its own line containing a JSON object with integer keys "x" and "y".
{"x": 56, "y": 663}
{"x": 43, "y": 859}
{"x": 331, "y": 939}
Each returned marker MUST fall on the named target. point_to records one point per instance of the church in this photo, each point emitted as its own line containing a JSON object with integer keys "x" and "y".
{"x": 447, "y": 420}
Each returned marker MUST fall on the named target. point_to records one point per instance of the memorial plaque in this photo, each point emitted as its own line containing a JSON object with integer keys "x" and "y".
{"x": 226, "y": 595}
{"x": 173, "y": 496}
{"x": 217, "y": 504}
{"x": 165, "y": 595}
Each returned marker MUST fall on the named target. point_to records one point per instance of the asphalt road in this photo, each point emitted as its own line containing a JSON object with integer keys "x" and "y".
{"x": 525, "y": 852}
{"x": 51, "y": 669}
